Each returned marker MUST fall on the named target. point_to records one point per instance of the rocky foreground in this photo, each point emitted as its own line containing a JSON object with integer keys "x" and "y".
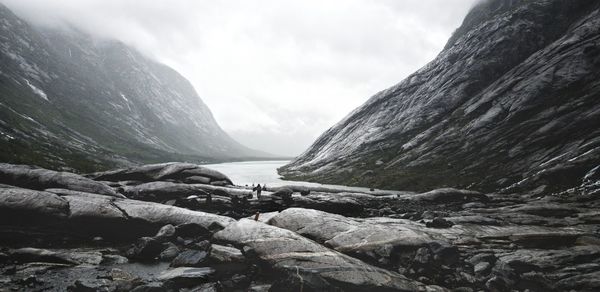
{"x": 183, "y": 227}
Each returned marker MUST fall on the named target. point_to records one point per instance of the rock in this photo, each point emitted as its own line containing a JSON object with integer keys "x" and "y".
{"x": 227, "y": 260}
{"x": 482, "y": 268}
{"x": 90, "y": 285}
{"x": 158, "y": 214}
{"x": 207, "y": 287}
{"x": 169, "y": 252}
{"x": 166, "y": 232}
{"x": 150, "y": 287}
{"x": 226, "y": 254}
{"x": 439, "y": 223}
{"x": 113, "y": 259}
{"x": 190, "y": 258}
{"x": 185, "y": 277}
{"x": 71, "y": 257}
{"x": 423, "y": 256}
{"x": 159, "y": 172}
{"x": 161, "y": 191}
{"x": 449, "y": 195}
{"x": 195, "y": 179}
{"x": 547, "y": 210}
{"x": 191, "y": 230}
{"x": 482, "y": 257}
{"x": 340, "y": 203}
{"x": 255, "y": 287}
{"x": 284, "y": 193}
{"x": 200, "y": 245}
{"x": 582, "y": 282}
{"x": 235, "y": 282}
{"x": 308, "y": 264}
{"x": 146, "y": 248}
{"x": 31, "y": 203}
{"x": 86, "y": 206}
{"x": 39, "y": 179}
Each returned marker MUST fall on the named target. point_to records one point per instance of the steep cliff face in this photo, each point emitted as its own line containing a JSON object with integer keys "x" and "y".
{"x": 511, "y": 102}
{"x": 69, "y": 100}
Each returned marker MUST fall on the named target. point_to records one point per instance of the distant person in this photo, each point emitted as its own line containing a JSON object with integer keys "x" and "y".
{"x": 258, "y": 191}
{"x": 264, "y": 188}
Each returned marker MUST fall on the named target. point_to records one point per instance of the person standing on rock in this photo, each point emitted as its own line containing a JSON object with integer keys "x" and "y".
{"x": 258, "y": 191}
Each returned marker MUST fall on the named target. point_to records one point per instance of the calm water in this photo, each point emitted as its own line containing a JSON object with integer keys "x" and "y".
{"x": 265, "y": 172}
{"x": 255, "y": 172}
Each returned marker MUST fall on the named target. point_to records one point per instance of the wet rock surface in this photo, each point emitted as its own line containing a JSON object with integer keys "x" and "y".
{"x": 202, "y": 237}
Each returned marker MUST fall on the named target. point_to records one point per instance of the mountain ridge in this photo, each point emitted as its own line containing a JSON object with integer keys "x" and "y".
{"x": 72, "y": 101}
{"x": 431, "y": 129}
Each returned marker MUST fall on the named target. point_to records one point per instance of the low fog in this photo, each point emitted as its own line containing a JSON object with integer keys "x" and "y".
{"x": 275, "y": 74}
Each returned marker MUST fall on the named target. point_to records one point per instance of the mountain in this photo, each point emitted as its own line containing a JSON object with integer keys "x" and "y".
{"x": 68, "y": 100}
{"x": 511, "y": 103}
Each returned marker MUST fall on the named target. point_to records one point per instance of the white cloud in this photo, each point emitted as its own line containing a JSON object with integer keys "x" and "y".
{"x": 275, "y": 73}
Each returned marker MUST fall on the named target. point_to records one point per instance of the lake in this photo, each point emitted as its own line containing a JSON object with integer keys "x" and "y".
{"x": 254, "y": 172}
{"x": 265, "y": 172}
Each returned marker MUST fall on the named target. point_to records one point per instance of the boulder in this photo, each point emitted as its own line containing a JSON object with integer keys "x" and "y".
{"x": 166, "y": 232}
{"x": 190, "y": 258}
{"x": 170, "y": 251}
{"x": 26, "y": 202}
{"x": 284, "y": 193}
{"x": 439, "y": 223}
{"x": 307, "y": 265}
{"x": 159, "y": 215}
{"x": 185, "y": 277}
{"x": 342, "y": 203}
{"x": 162, "y": 191}
{"x": 39, "y": 179}
{"x": 227, "y": 260}
{"x": 176, "y": 171}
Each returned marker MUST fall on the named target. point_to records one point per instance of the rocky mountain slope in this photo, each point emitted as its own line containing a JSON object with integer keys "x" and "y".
{"x": 69, "y": 100}
{"x": 512, "y": 102}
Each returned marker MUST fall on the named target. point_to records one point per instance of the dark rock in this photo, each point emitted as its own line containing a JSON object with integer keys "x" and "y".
{"x": 90, "y": 285}
{"x": 190, "y": 258}
{"x": 439, "y": 223}
{"x": 547, "y": 210}
{"x": 200, "y": 245}
{"x": 150, "y": 287}
{"x": 482, "y": 268}
{"x": 169, "y": 252}
{"x": 191, "y": 230}
{"x": 236, "y": 282}
{"x": 284, "y": 193}
{"x": 227, "y": 260}
{"x": 113, "y": 259}
{"x": 185, "y": 277}
{"x": 207, "y": 287}
{"x": 146, "y": 248}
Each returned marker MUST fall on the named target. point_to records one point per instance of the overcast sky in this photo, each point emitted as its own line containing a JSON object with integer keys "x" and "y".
{"x": 275, "y": 73}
